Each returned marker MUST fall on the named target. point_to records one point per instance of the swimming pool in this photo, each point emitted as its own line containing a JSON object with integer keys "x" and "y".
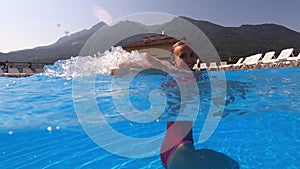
{"x": 39, "y": 127}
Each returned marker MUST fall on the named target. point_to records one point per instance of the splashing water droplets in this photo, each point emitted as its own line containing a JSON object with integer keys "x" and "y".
{"x": 99, "y": 63}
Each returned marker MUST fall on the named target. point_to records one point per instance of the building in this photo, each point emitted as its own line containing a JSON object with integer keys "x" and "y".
{"x": 158, "y": 46}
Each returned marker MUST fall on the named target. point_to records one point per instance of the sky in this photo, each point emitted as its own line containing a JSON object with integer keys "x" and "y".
{"x": 27, "y": 24}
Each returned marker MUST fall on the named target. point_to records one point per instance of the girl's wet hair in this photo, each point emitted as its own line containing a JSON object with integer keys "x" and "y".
{"x": 179, "y": 43}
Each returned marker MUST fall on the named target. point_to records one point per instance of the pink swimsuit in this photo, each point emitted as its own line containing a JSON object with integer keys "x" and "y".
{"x": 178, "y": 135}
{"x": 173, "y": 137}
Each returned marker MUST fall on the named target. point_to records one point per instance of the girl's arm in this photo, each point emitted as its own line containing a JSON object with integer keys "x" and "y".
{"x": 161, "y": 65}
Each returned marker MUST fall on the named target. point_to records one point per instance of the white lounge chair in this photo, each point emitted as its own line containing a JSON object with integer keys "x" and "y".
{"x": 224, "y": 66}
{"x": 293, "y": 61}
{"x": 196, "y": 66}
{"x": 253, "y": 62}
{"x": 232, "y": 66}
{"x": 282, "y": 58}
{"x": 267, "y": 59}
{"x": 203, "y": 66}
{"x": 213, "y": 66}
{"x": 242, "y": 65}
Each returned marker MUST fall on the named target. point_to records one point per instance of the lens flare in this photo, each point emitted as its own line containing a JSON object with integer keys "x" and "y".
{"x": 102, "y": 14}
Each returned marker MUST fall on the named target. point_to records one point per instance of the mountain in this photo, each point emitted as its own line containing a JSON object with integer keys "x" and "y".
{"x": 249, "y": 39}
{"x": 64, "y": 48}
{"x": 110, "y": 36}
{"x": 231, "y": 42}
{"x": 236, "y": 42}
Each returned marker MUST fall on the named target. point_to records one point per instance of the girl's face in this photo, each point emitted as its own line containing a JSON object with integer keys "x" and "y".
{"x": 185, "y": 57}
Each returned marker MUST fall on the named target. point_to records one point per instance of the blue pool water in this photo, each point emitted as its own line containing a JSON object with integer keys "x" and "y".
{"x": 39, "y": 127}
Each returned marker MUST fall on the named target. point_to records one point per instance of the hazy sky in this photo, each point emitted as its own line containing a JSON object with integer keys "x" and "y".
{"x": 31, "y": 23}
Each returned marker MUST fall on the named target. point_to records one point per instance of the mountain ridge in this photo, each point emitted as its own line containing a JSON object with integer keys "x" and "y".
{"x": 231, "y": 42}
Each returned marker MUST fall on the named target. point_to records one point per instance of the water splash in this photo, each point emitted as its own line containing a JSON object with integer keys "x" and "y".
{"x": 100, "y": 63}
